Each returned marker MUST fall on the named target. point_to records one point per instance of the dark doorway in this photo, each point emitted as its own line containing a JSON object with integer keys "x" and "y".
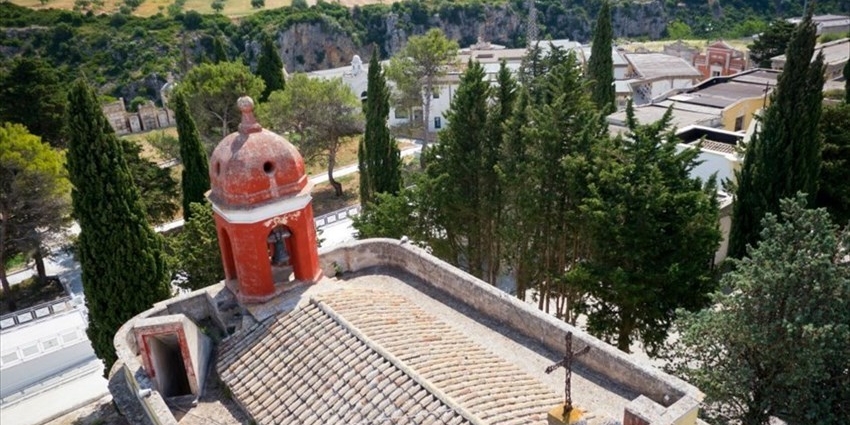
{"x": 169, "y": 365}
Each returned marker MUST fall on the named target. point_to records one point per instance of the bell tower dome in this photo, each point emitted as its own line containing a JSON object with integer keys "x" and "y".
{"x": 263, "y": 210}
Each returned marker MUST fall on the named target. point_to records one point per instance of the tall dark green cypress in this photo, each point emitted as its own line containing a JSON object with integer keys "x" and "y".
{"x": 123, "y": 266}
{"x": 600, "y": 69}
{"x": 846, "y": 73}
{"x": 270, "y": 68}
{"x": 784, "y": 156}
{"x": 454, "y": 171}
{"x": 196, "y": 175}
{"x": 219, "y": 53}
{"x": 378, "y": 157}
{"x": 492, "y": 196}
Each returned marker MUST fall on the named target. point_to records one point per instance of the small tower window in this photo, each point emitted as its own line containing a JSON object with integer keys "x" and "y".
{"x": 268, "y": 167}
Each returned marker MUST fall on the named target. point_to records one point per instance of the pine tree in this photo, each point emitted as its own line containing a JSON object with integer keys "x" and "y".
{"x": 600, "y": 69}
{"x": 270, "y": 68}
{"x": 195, "y": 176}
{"x": 378, "y": 156}
{"x": 123, "y": 266}
{"x": 784, "y": 156}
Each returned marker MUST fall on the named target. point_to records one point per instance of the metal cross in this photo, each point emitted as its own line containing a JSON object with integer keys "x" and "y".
{"x": 567, "y": 364}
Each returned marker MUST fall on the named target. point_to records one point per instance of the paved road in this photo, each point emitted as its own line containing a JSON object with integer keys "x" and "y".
{"x": 62, "y": 264}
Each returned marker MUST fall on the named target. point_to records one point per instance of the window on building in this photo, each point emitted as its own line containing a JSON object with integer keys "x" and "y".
{"x": 715, "y": 73}
{"x": 401, "y": 114}
{"x": 436, "y": 93}
{"x": 438, "y": 123}
{"x": 739, "y": 123}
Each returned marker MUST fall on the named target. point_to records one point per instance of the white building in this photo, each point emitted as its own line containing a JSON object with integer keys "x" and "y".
{"x": 641, "y": 76}
{"x": 654, "y": 74}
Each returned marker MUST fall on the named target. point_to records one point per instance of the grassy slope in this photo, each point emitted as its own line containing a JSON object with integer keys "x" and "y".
{"x": 232, "y": 8}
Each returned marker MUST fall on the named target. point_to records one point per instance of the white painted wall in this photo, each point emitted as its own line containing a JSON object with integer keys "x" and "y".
{"x": 32, "y": 353}
{"x": 713, "y": 162}
{"x": 620, "y": 72}
{"x": 661, "y": 87}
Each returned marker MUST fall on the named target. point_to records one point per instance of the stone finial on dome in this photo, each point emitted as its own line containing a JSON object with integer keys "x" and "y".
{"x": 249, "y": 123}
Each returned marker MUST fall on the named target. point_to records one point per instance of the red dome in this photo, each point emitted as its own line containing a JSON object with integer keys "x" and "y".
{"x": 254, "y": 165}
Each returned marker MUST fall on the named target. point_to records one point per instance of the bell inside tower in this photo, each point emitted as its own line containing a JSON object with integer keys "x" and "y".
{"x": 279, "y": 246}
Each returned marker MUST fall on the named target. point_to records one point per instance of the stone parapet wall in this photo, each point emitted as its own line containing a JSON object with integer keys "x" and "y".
{"x": 672, "y": 400}
{"x": 128, "y": 378}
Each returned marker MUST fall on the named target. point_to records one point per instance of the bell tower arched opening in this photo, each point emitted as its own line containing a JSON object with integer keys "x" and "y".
{"x": 263, "y": 210}
{"x": 280, "y": 245}
{"x": 227, "y": 254}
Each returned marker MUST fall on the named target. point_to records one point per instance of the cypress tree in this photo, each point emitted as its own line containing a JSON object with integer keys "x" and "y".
{"x": 784, "y": 156}
{"x": 846, "y": 73}
{"x": 600, "y": 69}
{"x": 196, "y": 176}
{"x": 492, "y": 202}
{"x": 123, "y": 266}
{"x": 378, "y": 156}
{"x": 455, "y": 169}
{"x": 219, "y": 53}
{"x": 270, "y": 68}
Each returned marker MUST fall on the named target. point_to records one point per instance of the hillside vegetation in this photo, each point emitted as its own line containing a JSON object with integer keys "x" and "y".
{"x": 129, "y": 56}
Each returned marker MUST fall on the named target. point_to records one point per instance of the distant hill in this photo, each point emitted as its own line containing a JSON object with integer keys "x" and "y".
{"x": 129, "y": 56}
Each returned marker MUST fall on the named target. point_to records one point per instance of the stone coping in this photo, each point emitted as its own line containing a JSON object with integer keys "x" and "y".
{"x": 676, "y": 399}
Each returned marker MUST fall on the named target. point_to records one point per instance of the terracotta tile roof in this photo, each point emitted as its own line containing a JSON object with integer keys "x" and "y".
{"x": 369, "y": 356}
{"x": 305, "y": 367}
{"x": 492, "y": 389}
{"x": 718, "y": 146}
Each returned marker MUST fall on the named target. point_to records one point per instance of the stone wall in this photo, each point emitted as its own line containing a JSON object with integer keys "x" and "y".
{"x": 668, "y": 400}
{"x": 128, "y": 381}
{"x": 665, "y": 400}
{"x": 149, "y": 117}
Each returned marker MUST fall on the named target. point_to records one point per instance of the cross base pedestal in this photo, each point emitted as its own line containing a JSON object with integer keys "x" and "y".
{"x": 576, "y": 416}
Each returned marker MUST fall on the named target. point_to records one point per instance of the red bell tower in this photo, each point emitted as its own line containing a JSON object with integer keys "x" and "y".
{"x": 263, "y": 211}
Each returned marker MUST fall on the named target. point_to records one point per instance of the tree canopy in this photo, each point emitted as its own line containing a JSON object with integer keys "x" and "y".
{"x": 777, "y": 340}
{"x": 772, "y": 42}
{"x": 784, "y": 155}
{"x": 32, "y": 94}
{"x": 834, "y": 187}
{"x": 211, "y": 91}
{"x": 379, "y": 160}
{"x": 319, "y": 113}
{"x": 34, "y": 191}
{"x": 653, "y": 231}
{"x": 195, "y": 254}
{"x": 158, "y": 191}
{"x": 195, "y": 180}
{"x": 270, "y": 68}
{"x": 123, "y": 266}
{"x": 455, "y": 171}
{"x": 600, "y": 69}
{"x": 418, "y": 66}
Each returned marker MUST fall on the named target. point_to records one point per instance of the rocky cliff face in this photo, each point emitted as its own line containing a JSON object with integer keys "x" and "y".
{"x": 322, "y": 45}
